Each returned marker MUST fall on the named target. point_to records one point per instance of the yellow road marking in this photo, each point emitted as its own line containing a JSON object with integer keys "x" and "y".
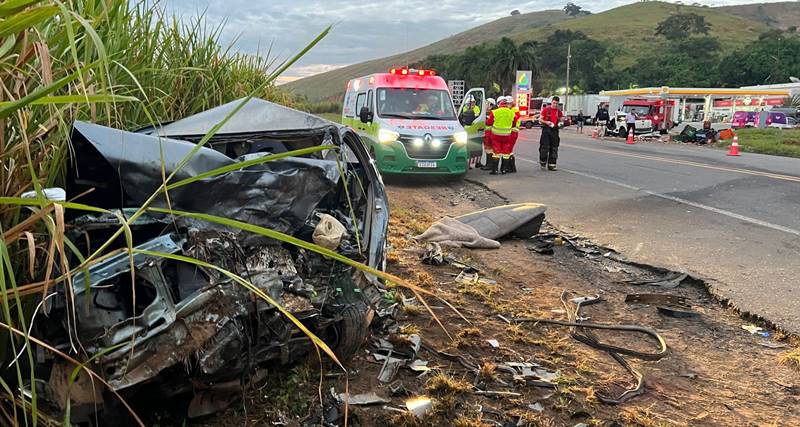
{"x": 690, "y": 163}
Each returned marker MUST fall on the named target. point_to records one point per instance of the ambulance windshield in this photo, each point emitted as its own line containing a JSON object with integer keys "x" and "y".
{"x": 405, "y": 103}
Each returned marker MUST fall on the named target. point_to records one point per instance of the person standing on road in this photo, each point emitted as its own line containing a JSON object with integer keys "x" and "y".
{"x": 550, "y": 119}
{"x": 488, "y": 150}
{"x": 579, "y": 122}
{"x": 630, "y": 120}
{"x": 601, "y": 118}
{"x": 503, "y": 122}
{"x": 512, "y": 161}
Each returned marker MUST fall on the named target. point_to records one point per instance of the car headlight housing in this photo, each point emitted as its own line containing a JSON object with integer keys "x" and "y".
{"x": 386, "y": 136}
{"x": 460, "y": 137}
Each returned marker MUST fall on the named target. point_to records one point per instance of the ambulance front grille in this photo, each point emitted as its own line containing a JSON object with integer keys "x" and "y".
{"x": 426, "y": 151}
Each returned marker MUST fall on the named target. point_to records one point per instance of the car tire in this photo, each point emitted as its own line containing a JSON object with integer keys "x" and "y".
{"x": 346, "y": 336}
{"x": 528, "y": 125}
{"x": 351, "y": 330}
{"x": 622, "y": 132}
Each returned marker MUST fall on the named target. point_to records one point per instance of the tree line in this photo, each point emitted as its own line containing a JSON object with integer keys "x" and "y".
{"x": 687, "y": 56}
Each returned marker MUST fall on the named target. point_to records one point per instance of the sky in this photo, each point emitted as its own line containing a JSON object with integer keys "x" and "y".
{"x": 362, "y": 30}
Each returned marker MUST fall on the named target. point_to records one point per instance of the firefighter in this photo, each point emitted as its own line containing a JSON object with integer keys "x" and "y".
{"x": 512, "y": 161}
{"x": 469, "y": 112}
{"x": 550, "y": 118}
{"x": 503, "y": 121}
{"x": 491, "y": 104}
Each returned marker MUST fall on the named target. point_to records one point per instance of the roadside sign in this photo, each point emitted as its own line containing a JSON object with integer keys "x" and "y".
{"x": 523, "y": 81}
{"x": 456, "y": 91}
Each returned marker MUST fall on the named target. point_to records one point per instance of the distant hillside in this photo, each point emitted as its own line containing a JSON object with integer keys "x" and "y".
{"x": 780, "y": 15}
{"x": 330, "y": 85}
{"x": 627, "y": 29}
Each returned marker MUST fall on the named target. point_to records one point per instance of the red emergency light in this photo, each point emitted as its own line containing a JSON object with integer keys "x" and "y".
{"x": 404, "y": 71}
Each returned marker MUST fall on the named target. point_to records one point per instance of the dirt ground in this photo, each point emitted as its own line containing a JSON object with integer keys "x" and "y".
{"x": 714, "y": 372}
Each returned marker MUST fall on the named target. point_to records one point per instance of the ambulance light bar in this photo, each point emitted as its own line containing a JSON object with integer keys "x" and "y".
{"x": 404, "y": 71}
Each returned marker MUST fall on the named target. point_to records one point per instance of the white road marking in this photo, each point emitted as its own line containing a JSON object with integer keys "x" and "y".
{"x": 680, "y": 200}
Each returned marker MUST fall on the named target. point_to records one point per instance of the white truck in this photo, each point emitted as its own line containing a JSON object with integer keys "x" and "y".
{"x": 588, "y": 104}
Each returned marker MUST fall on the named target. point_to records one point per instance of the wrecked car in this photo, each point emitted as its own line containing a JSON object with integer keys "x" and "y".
{"x": 171, "y": 327}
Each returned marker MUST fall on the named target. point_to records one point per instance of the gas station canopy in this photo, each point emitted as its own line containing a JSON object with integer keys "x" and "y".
{"x": 684, "y": 92}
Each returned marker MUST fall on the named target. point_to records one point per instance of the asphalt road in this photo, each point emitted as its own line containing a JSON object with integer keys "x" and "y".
{"x": 734, "y": 221}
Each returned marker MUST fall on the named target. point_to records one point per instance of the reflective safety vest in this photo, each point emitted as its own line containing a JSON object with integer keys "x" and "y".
{"x": 503, "y": 121}
{"x": 475, "y": 109}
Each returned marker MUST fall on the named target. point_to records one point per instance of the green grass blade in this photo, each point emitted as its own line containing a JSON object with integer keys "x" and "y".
{"x": 281, "y": 237}
{"x": 76, "y": 99}
{"x": 27, "y": 19}
{"x": 9, "y": 7}
{"x": 251, "y": 162}
{"x": 252, "y": 288}
{"x": 10, "y": 107}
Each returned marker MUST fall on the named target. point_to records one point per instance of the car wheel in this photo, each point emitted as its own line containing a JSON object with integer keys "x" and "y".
{"x": 528, "y": 125}
{"x": 622, "y": 132}
{"x": 351, "y": 330}
{"x": 347, "y": 335}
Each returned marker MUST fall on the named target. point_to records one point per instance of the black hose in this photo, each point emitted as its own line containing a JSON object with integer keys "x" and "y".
{"x": 581, "y": 331}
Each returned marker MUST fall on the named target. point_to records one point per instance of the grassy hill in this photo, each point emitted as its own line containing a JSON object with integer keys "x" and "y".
{"x": 628, "y": 29}
{"x": 780, "y": 15}
{"x": 330, "y": 85}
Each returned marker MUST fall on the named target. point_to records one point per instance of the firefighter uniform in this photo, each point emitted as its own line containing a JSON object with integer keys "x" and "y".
{"x": 487, "y": 136}
{"x": 504, "y": 122}
{"x": 550, "y": 140}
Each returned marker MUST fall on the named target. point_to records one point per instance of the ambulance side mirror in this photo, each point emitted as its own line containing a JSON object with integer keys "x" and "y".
{"x": 365, "y": 115}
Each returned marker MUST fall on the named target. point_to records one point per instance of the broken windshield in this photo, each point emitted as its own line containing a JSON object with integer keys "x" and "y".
{"x": 430, "y": 104}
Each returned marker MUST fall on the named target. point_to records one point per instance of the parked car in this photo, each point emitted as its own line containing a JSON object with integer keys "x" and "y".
{"x": 775, "y": 120}
{"x": 743, "y": 119}
{"x": 618, "y": 126}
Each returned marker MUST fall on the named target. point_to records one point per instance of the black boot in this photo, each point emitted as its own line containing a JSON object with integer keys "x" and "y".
{"x": 512, "y": 164}
{"x": 488, "y": 165}
{"x": 493, "y": 165}
{"x": 504, "y": 165}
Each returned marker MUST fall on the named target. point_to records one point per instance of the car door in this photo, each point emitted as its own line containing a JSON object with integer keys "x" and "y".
{"x": 476, "y": 129}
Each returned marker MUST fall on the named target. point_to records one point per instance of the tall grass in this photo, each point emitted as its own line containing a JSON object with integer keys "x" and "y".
{"x": 111, "y": 62}
{"x": 124, "y": 66}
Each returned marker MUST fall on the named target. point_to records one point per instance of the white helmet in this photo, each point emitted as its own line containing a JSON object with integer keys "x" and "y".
{"x": 491, "y": 101}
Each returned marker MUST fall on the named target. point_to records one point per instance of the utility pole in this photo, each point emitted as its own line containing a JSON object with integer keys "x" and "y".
{"x": 566, "y": 92}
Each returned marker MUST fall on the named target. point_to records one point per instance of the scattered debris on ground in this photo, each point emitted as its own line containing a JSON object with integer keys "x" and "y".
{"x": 493, "y": 370}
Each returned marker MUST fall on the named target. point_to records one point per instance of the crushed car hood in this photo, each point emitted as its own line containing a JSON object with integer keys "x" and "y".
{"x": 153, "y": 325}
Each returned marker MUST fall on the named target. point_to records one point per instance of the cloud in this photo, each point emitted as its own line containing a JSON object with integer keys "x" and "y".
{"x": 362, "y": 30}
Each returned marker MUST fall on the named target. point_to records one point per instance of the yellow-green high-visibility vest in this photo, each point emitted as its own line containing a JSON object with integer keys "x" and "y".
{"x": 503, "y": 121}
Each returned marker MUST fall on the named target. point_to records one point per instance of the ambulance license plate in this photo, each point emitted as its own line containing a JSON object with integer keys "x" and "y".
{"x": 428, "y": 165}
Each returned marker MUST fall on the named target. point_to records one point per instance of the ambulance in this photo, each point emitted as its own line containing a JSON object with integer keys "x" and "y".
{"x": 409, "y": 124}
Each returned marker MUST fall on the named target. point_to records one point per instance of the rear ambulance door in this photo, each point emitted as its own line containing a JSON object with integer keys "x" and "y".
{"x": 476, "y": 129}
